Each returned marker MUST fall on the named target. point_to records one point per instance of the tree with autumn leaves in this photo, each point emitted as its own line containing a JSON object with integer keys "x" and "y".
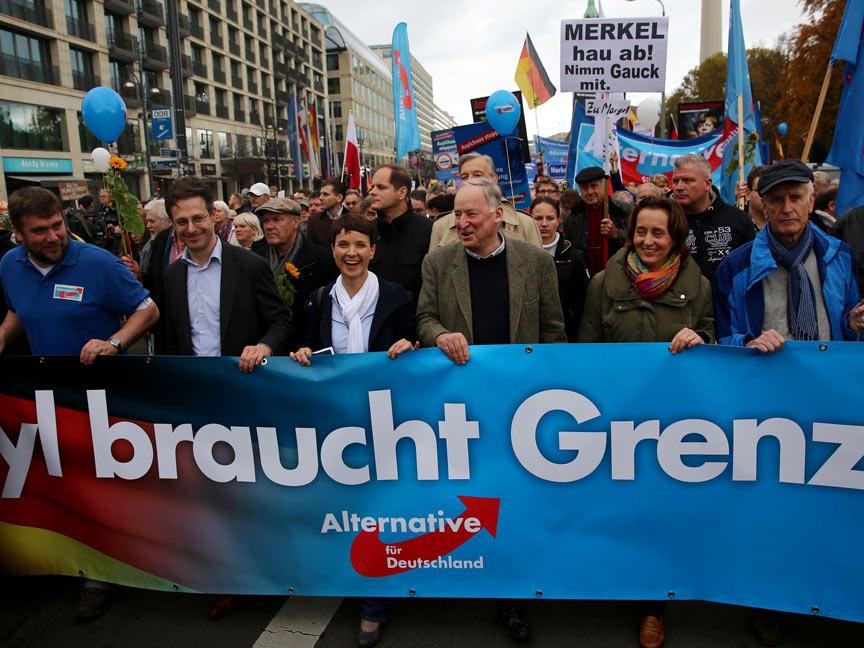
{"x": 785, "y": 80}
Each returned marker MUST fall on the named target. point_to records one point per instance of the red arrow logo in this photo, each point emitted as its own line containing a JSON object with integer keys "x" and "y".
{"x": 369, "y": 555}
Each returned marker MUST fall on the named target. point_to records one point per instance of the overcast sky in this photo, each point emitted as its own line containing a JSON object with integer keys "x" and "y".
{"x": 471, "y": 47}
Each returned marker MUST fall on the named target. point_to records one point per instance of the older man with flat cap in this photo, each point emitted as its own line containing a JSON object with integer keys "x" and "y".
{"x": 793, "y": 282}
{"x": 283, "y": 243}
{"x": 586, "y": 227}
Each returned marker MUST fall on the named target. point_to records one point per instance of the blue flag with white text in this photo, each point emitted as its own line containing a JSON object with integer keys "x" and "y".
{"x": 293, "y": 139}
{"x": 738, "y": 84}
{"x": 404, "y": 103}
{"x": 847, "y": 150}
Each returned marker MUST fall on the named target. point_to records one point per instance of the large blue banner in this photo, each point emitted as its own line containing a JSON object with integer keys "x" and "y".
{"x": 641, "y": 156}
{"x": 561, "y": 471}
{"x": 554, "y": 156}
{"x": 404, "y": 100}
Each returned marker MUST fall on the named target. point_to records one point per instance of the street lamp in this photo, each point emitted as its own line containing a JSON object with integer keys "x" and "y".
{"x": 145, "y": 106}
{"x": 276, "y": 133}
{"x": 663, "y": 92}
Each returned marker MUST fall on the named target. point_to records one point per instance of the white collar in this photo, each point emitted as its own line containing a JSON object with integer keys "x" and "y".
{"x": 497, "y": 251}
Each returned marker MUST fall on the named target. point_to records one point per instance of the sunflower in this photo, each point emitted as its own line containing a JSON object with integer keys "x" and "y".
{"x": 117, "y": 162}
{"x": 292, "y": 270}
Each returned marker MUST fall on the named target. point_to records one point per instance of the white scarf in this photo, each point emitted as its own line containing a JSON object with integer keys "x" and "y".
{"x": 353, "y": 308}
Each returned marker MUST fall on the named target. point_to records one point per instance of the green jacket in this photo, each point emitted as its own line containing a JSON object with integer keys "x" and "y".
{"x": 616, "y": 312}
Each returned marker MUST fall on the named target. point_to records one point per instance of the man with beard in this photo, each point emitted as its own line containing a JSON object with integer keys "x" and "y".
{"x": 69, "y": 298}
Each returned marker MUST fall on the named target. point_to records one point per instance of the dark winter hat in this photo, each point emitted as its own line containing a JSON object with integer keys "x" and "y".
{"x": 589, "y": 174}
{"x": 784, "y": 171}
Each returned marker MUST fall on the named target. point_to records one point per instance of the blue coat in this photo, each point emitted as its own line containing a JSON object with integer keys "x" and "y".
{"x": 393, "y": 319}
{"x": 739, "y": 305}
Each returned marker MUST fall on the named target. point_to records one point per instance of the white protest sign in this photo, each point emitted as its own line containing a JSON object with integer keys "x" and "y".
{"x": 611, "y": 107}
{"x": 614, "y": 54}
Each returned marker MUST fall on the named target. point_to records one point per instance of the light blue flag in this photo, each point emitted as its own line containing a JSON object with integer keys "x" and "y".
{"x": 293, "y": 139}
{"x": 404, "y": 104}
{"x": 847, "y": 149}
{"x": 738, "y": 83}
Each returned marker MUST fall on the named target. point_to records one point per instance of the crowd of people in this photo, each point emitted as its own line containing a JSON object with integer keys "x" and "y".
{"x": 335, "y": 272}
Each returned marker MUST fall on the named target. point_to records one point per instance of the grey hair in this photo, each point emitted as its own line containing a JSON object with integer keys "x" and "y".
{"x": 251, "y": 220}
{"x": 696, "y": 160}
{"x": 157, "y": 206}
{"x": 653, "y": 186}
{"x": 476, "y": 156}
{"x": 222, "y": 206}
{"x": 490, "y": 189}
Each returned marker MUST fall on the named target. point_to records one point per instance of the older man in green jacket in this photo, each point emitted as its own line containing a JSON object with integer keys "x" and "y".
{"x": 485, "y": 288}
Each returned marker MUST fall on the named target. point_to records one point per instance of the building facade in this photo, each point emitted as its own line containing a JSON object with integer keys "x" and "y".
{"x": 239, "y": 64}
{"x": 358, "y": 81}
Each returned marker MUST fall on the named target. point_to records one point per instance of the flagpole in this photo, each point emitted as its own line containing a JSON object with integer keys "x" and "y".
{"x": 509, "y": 172}
{"x": 805, "y": 156}
{"x": 740, "y": 201}
{"x": 606, "y": 188}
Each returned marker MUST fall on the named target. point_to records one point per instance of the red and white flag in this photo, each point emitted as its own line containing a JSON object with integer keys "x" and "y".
{"x": 351, "y": 165}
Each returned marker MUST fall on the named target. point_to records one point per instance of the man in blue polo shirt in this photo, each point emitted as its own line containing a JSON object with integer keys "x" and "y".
{"x": 67, "y": 296}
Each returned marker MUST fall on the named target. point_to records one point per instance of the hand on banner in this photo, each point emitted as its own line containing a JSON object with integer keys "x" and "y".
{"x": 252, "y": 356}
{"x": 133, "y": 266}
{"x": 856, "y": 317}
{"x": 455, "y": 346}
{"x": 741, "y": 191}
{"x": 301, "y": 356}
{"x": 608, "y": 229}
{"x": 613, "y": 161}
{"x": 769, "y": 342}
{"x": 95, "y": 348}
{"x": 685, "y": 339}
{"x": 400, "y": 347}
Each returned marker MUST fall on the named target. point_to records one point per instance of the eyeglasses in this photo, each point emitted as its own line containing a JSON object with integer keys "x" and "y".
{"x": 544, "y": 192}
{"x": 183, "y": 223}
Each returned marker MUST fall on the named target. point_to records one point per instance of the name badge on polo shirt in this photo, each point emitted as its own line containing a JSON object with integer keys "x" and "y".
{"x": 69, "y": 293}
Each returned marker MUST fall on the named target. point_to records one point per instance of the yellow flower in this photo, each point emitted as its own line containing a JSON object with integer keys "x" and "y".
{"x": 292, "y": 270}
{"x": 117, "y": 162}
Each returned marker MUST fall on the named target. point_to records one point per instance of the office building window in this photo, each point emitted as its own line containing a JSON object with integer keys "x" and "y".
{"x": 24, "y": 126}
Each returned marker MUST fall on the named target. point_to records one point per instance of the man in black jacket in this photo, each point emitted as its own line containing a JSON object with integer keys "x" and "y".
{"x": 283, "y": 243}
{"x": 715, "y": 227}
{"x": 221, "y": 300}
{"x": 401, "y": 235}
{"x": 850, "y": 228}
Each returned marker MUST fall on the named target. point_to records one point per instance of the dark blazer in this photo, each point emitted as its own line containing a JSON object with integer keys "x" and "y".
{"x": 154, "y": 281}
{"x": 250, "y": 310}
{"x": 319, "y": 229}
{"x": 316, "y": 268}
{"x": 393, "y": 319}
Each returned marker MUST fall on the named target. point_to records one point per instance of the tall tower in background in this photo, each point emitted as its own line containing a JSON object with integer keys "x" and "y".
{"x": 712, "y": 29}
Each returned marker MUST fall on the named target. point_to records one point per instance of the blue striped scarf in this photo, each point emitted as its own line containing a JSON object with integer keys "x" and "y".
{"x": 801, "y": 299}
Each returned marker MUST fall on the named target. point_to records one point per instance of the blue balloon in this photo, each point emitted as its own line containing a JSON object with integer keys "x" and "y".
{"x": 503, "y": 111}
{"x": 104, "y": 113}
{"x": 783, "y": 128}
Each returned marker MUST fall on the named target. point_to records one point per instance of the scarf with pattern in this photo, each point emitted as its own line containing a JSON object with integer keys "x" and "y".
{"x": 652, "y": 284}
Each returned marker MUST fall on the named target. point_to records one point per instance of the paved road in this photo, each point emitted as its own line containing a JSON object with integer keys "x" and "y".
{"x": 37, "y": 612}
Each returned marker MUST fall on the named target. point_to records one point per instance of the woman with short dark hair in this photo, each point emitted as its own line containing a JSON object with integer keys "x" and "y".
{"x": 651, "y": 290}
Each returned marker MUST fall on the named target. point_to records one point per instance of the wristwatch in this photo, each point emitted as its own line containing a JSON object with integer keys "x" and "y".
{"x": 116, "y": 344}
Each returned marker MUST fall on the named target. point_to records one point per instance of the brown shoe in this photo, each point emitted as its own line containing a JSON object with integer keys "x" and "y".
{"x": 224, "y": 605}
{"x": 651, "y": 635}
{"x": 92, "y": 603}
{"x": 766, "y": 628}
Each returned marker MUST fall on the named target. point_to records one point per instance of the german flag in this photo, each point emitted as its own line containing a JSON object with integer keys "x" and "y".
{"x": 531, "y": 76}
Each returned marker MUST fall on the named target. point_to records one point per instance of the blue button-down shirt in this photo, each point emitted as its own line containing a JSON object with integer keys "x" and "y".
{"x": 202, "y": 294}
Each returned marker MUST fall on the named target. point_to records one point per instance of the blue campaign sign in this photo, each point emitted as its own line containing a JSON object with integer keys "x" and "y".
{"x": 718, "y": 474}
{"x": 505, "y": 152}
{"x": 160, "y": 119}
{"x": 446, "y": 157}
{"x": 554, "y": 156}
